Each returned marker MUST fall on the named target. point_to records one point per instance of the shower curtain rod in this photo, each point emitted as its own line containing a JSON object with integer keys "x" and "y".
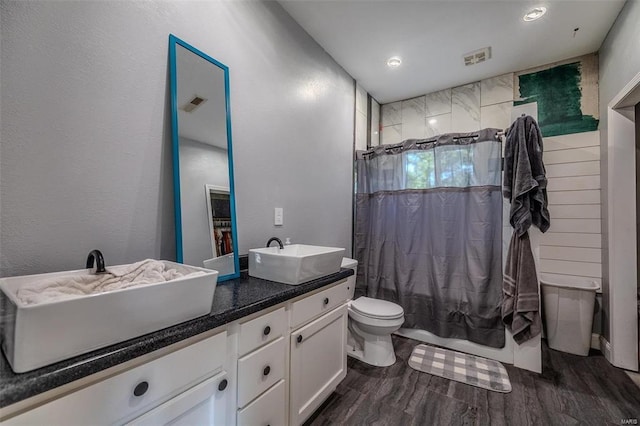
{"x": 455, "y": 138}
{"x": 504, "y": 132}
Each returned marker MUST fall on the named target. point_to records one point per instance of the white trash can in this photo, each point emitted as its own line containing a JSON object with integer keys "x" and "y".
{"x": 568, "y": 312}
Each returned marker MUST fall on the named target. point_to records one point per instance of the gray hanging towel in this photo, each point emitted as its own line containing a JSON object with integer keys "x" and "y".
{"x": 520, "y": 303}
{"x": 525, "y": 183}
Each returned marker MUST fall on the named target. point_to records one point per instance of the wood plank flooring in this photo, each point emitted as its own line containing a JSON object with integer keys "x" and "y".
{"x": 572, "y": 390}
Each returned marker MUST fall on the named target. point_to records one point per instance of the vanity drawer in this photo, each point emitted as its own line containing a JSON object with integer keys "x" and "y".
{"x": 259, "y": 370}
{"x": 269, "y": 409}
{"x": 261, "y": 330}
{"x": 203, "y": 404}
{"x": 319, "y": 303}
{"x": 121, "y": 397}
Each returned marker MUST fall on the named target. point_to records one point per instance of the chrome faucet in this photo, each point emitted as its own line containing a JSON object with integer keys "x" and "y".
{"x": 97, "y": 255}
{"x": 272, "y": 239}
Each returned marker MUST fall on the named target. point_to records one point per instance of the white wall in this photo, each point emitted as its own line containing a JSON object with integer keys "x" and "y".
{"x": 619, "y": 63}
{"x": 85, "y": 155}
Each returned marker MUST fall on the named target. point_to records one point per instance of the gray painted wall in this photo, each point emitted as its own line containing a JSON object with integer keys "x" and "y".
{"x": 619, "y": 63}
{"x": 85, "y": 158}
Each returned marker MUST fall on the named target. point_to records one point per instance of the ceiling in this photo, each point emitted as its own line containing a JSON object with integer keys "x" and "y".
{"x": 431, "y": 37}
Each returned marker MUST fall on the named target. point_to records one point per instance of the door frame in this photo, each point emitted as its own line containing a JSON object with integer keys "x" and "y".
{"x": 622, "y": 348}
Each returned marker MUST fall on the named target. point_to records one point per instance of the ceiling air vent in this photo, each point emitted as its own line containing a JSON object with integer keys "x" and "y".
{"x": 193, "y": 104}
{"x": 477, "y": 56}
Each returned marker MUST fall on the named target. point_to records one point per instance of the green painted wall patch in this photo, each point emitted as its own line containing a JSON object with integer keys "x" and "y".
{"x": 558, "y": 94}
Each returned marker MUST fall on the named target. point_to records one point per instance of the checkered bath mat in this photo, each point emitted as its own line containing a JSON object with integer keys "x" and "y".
{"x": 460, "y": 367}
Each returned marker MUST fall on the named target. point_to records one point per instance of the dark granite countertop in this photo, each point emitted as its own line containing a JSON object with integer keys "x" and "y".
{"x": 232, "y": 300}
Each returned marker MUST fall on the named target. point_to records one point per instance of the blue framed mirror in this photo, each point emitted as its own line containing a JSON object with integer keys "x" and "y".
{"x": 204, "y": 198}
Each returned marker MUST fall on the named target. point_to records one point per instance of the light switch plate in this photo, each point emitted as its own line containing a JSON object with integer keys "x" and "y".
{"x": 278, "y": 218}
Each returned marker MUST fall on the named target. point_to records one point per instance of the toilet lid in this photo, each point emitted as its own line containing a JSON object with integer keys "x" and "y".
{"x": 375, "y": 308}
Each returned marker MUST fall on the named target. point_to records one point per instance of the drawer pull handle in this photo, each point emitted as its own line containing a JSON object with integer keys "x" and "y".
{"x": 141, "y": 388}
{"x": 223, "y": 385}
{"x": 299, "y": 339}
{"x": 266, "y": 330}
{"x": 326, "y": 300}
{"x": 266, "y": 371}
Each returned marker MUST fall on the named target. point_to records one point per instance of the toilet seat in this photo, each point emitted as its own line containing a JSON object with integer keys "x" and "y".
{"x": 376, "y": 309}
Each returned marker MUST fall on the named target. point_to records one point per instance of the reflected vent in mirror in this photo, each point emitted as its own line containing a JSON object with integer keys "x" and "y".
{"x": 193, "y": 104}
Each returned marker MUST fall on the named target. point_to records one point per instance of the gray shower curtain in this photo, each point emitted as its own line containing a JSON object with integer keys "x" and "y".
{"x": 428, "y": 233}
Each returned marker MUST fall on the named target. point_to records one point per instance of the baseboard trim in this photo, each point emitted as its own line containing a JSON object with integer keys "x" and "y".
{"x": 605, "y": 347}
{"x": 595, "y": 341}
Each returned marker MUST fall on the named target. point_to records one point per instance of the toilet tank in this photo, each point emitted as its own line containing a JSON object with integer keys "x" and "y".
{"x": 351, "y": 264}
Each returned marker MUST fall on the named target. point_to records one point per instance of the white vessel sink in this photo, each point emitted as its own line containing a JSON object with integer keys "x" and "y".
{"x": 225, "y": 264}
{"x": 41, "y": 334}
{"x": 294, "y": 264}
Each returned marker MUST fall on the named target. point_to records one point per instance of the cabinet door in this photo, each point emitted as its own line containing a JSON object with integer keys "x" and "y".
{"x": 318, "y": 362}
{"x": 203, "y": 404}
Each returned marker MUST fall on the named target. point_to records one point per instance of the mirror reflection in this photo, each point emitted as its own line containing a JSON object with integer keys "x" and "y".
{"x": 203, "y": 176}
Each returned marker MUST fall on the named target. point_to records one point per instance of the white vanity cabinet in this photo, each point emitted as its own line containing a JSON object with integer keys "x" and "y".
{"x": 176, "y": 383}
{"x": 307, "y": 340}
{"x": 274, "y": 367}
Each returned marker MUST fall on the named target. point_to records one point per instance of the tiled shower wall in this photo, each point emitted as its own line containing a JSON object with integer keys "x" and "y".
{"x": 467, "y": 108}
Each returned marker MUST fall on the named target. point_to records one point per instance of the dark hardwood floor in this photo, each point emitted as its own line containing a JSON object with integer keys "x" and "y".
{"x": 572, "y": 390}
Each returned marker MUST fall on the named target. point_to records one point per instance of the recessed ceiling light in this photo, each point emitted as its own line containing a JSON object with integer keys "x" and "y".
{"x": 535, "y": 13}
{"x": 394, "y": 62}
{"x": 433, "y": 121}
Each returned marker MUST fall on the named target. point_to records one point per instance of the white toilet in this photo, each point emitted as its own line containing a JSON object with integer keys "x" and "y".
{"x": 371, "y": 322}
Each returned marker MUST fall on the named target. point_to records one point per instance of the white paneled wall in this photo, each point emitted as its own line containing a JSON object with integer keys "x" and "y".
{"x": 487, "y": 103}
{"x": 572, "y": 246}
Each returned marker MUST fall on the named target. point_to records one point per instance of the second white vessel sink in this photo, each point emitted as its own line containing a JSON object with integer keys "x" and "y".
{"x": 294, "y": 264}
